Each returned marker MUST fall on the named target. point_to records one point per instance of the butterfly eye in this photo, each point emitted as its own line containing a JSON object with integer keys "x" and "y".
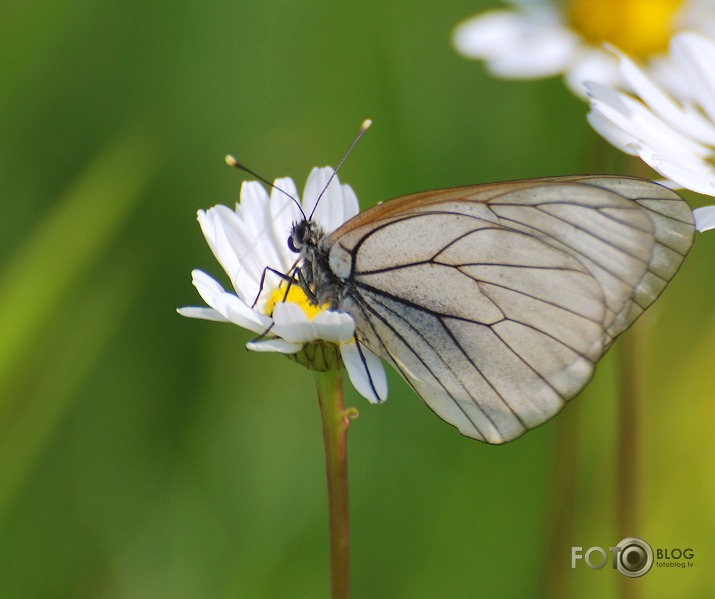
{"x": 291, "y": 244}
{"x": 296, "y": 239}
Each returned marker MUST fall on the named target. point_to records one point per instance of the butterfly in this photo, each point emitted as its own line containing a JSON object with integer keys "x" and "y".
{"x": 496, "y": 301}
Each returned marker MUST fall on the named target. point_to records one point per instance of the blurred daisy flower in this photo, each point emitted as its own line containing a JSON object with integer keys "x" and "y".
{"x": 250, "y": 243}
{"x": 674, "y": 136}
{"x": 541, "y": 38}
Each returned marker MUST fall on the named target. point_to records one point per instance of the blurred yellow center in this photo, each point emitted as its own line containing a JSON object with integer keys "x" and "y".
{"x": 295, "y": 296}
{"x": 639, "y": 28}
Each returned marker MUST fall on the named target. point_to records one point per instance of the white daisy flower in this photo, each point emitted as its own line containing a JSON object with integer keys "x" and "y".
{"x": 542, "y": 38}
{"x": 675, "y": 137}
{"x": 250, "y": 243}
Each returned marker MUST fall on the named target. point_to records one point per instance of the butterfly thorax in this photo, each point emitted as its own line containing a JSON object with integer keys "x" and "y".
{"x": 313, "y": 273}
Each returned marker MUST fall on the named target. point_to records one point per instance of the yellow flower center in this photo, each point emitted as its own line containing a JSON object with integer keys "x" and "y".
{"x": 295, "y": 295}
{"x": 640, "y": 28}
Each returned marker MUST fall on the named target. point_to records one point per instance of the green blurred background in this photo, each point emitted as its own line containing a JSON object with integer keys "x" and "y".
{"x": 143, "y": 455}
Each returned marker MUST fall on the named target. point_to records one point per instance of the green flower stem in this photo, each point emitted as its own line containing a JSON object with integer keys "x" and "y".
{"x": 335, "y": 433}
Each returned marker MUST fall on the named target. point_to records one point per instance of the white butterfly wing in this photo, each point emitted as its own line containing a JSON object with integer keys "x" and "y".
{"x": 495, "y": 302}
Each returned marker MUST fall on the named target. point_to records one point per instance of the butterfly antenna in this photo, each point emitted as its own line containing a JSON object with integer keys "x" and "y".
{"x": 364, "y": 127}
{"x": 231, "y": 161}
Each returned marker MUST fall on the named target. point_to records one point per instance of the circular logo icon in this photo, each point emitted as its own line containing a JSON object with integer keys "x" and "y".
{"x": 635, "y": 557}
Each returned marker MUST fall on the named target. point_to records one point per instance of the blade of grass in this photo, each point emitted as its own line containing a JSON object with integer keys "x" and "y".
{"x": 76, "y": 347}
{"x": 64, "y": 245}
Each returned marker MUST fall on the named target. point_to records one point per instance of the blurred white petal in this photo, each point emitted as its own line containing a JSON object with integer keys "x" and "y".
{"x": 681, "y": 118}
{"x": 541, "y": 38}
{"x": 695, "y": 56}
{"x": 592, "y": 65}
{"x": 672, "y": 135}
{"x": 614, "y": 134}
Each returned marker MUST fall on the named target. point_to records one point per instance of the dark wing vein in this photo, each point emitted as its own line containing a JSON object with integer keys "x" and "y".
{"x": 368, "y": 312}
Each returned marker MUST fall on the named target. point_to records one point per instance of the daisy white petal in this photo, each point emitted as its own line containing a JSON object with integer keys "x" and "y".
{"x": 284, "y": 212}
{"x": 642, "y": 123}
{"x": 229, "y": 235}
{"x": 612, "y": 133}
{"x": 336, "y": 327}
{"x": 338, "y": 205}
{"x": 695, "y": 56}
{"x": 681, "y": 118}
{"x": 674, "y": 135}
{"x": 686, "y": 172}
{"x": 365, "y": 371}
{"x": 314, "y": 185}
{"x": 350, "y": 205}
{"x": 254, "y": 210}
{"x": 247, "y": 238}
{"x": 704, "y": 218}
{"x": 292, "y": 324}
{"x": 227, "y": 304}
{"x": 202, "y": 314}
{"x": 231, "y": 242}
{"x": 334, "y": 207}
{"x": 274, "y": 345}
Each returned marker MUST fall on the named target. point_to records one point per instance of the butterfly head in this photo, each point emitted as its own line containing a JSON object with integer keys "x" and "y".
{"x": 314, "y": 275}
{"x": 304, "y": 237}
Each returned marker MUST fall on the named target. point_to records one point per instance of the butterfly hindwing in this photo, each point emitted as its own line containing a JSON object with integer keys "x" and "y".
{"x": 494, "y": 302}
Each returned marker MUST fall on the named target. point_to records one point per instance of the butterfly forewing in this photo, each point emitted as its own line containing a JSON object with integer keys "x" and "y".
{"x": 495, "y": 301}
